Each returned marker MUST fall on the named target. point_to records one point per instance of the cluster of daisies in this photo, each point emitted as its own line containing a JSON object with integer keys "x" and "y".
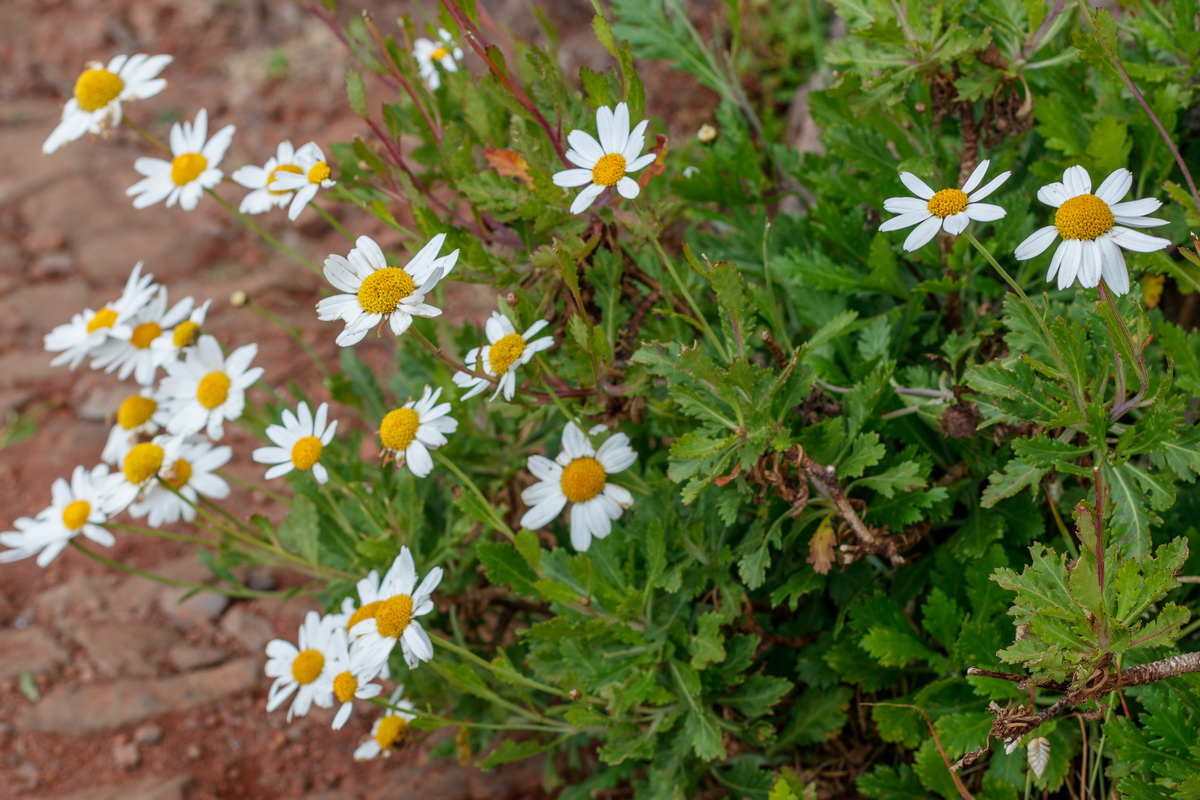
{"x": 1093, "y": 227}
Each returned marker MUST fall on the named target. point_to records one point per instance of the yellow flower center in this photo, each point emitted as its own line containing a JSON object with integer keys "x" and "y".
{"x": 344, "y": 687}
{"x": 393, "y": 616}
{"x": 439, "y": 54}
{"x": 306, "y": 452}
{"x": 292, "y": 168}
{"x": 185, "y": 335}
{"x": 608, "y": 170}
{"x": 390, "y": 732}
{"x": 505, "y": 352}
{"x": 187, "y": 167}
{"x": 143, "y": 463}
{"x": 318, "y": 172}
{"x": 1083, "y": 217}
{"x": 583, "y": 479}
{"x": 399, "y": 428}
{"x": 135, "y": 411}
{"x": 366, "y": 612}
{"x": 948, "y": 202}
{"x": 96, "y": 88}
{"x": 104, "y": 318}
{"x": 213, "y": 389}
{"x": 144, "y": 334}
{"x": 76, "y": 514}
{"x": 307, "y": 666}
{"x": 382, "y": 290}
{"x": 179, "y": 475}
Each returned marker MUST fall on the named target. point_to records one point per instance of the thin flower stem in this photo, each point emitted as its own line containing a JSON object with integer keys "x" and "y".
{"x": 399, "y": 76}
{"x": 266, "y": 237}
{"x": 145, "y": 134}
{"x": 497, "y": 522}
{"x": 1120, "y": 404}
{"x": 449, "y": 361}
{"x": 508, "y": 675}
{"x": 333, "y": 221}
{"x": 173, "y": 537}
{"x": 254, "y": 487}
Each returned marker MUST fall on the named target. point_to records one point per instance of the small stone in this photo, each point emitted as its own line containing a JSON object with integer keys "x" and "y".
{"x": 186, "y": 657}
{"x": 148, "y": 734}
{"x": 126, "y": 755}
{"x": 251, "y": 630}
{"x": 121, "y": 649}
{"x": 201, "y": 609}
{"x": 261, "y": 579}
{"x": 30, "y": 650}
{"x": 194, "y": 752}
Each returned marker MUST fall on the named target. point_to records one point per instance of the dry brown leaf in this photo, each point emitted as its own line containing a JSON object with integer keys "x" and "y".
{"x": 820, "y": 549}
{"x": 509, "y": 164}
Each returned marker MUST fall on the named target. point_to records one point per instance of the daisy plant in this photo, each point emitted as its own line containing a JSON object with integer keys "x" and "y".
{"x": 194, "y": 166}
{"x": 606, "y": 163}
{"x": 506, "y": 350}
{"x": 80, "y": 506}
{"x": 100, "y": 90}
{"x": 408, "y": 433}
{"x": 206, "y": 388}
{"x": 307, "y": 175}
{"x": 389, "y": 729}
{"x": 950, "y": 210}
{"x": 432, "y": 55}
{"x": 298, "y": 443}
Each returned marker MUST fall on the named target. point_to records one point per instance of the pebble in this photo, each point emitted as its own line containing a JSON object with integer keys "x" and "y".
{"x": 126, "y": 755}
{"x": 148, "y": 734}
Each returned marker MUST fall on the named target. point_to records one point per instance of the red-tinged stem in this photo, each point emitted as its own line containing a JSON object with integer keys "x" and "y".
{"x": 399, "y": 76}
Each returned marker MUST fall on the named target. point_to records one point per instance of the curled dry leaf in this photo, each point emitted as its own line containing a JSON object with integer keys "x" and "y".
{"x": 820, "y": 549}
{"x": 509, "y": 163}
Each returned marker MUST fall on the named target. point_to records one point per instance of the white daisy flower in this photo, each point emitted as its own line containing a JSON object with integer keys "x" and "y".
{"x": 175, "y": 341}
{"x": 206, "y": 388}
{"x": 431, "y": 54}
{"x": 311, "y": 174}
{"x": 394, "y": 619}
{"x": 99, "y": 92}
{"x": 950, "y": 210}
{"x": 302, "y": 669}
{"x": 87, "y": 331}
{"x": 580, "y": 476}
{"x": 389, "y": 730}
{"x": 139, "y": 417}
{"x": 1090, "y": 227}
{"x": 137, "y": 355}
{"x": 81, "y": 506}
{"x": 348, "y": 678}
{"x": 299, "y": 443}
{"x": 408, "y": 433}
{"x": 193, "y": 169}
{"x": 190, "y": 475}
{"x": 607, "y": 162}
{"x": 507, "y": 351}
{"x": 258, "y": 179}
{"x": 141, "y": 468}
{"x": 369, "y": 600}
{"x": 377, "y": 293}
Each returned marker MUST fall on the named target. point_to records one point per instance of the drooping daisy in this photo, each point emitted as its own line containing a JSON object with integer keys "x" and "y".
{"x": 206, "y": 388}
{"x": 369, "y": 600}
{"x": 87, "y": 331}
{"x": 81, "y": 506}
{"x": 299, "y": 443}
{"x": 311, "y": 174}
{"x": 139, "y": 417}
{"x": 301, "y": 669}
{"x": 389, "y": 730}
{"x": 394, "y": 618}
{"x": 190, "y": 475}
{"x": 431, "y": 54}
{"x": 950, "y": 210}
{"x": 348, "y": 678}
{"x": 99, "y": 92}
{"x": 258, "y": 179}
{"x": 1090, "y": 227}
{"x": 580, "y": 476}
{"x": 193, "y": 169}
{"x": 377, "y": 292}
{"x": 507, "y": 351}
{"x": 408, "y": 433}
{"x": 137, "y": 354}
{"x": 140, "y": 469}
{"x": 607, "y": 162}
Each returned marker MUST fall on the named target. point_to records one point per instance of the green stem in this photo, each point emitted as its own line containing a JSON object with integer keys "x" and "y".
{"x": 294, "y": 333}
{"x": 266, "y": 237}
{"x": 332, "y": 220}
{"x": 145, "y": 134}
{"x": 505, "y": 674}
{"x": 497, "y": 521}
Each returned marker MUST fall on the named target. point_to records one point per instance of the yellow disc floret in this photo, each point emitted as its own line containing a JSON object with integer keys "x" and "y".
{"x": 292, "y": 168}
{"x": 1083, "y": 217}
{"x": 104, "y": 318}
{"x": 399, "y": 428}
{"x": 318, "y": 172}
{"x": 187, "y": 167}
{"x": 948, "y": 202}
{"x": 185, "y": 335}
{"x": 144, "y": 334}
{"x": 344, "y": 687}
{"x": 583, "y": 479}
{"x": 75, "y": 515}
{"x": 505, "y": 352}
{"x": 608, "y": 170}
{"x": 439, "y": 54}
{"x": 390, "y": 732}
{"x": 307, "y": 666}
{"x": 96, "y": 88}
{"x": 213, "y": 389}
{"x": 366, "y": 612}
{"x": 382, "y": 290}
{"x": 306, "y": 452}
{"x": 143, "y": 462}
{"x": 179, "y": 474}
{"x": 135, "y": 411}
{"x": 393, "y": 616}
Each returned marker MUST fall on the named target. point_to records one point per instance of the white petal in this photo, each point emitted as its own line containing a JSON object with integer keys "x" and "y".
{"x": 984, "y": 212}
{"x": 976, "y": 176}
{"x": 906, "y": 205}
{"x": 916, "y": 185}
{"x": 1072, "y": 260}
{"x": 628, "y": 188}
{"x": 584, "y": 199}
{"x": 1054, "y": 194}
{"x": 991, "y": 186}
{"x": 1036, "y": 243}
{"x": 588, "y": 148}
{"x": 1136, "y": 241}
{"x": 543, "y": 513}
{"x": 1136, "y": 208}
{"x": 1115, "y": 186}
{"x": 1089, "y": 263}
{"x": 1077, "y": 181}
{"x": 921, "y": 234}
{"x": 1116, "y": 275}
{"x": 905, "y": 220}
{"x": 956, "y": 223}
{"x": 570, "y": 178}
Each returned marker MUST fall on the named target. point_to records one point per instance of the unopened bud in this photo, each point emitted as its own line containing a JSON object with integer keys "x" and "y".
{"x": 511, "y": 299}
{"x": 585, "y": 601}
{"x": 238, "y": 299}
{"x": 706, "y": 133}
{"x": 574, "y": 694}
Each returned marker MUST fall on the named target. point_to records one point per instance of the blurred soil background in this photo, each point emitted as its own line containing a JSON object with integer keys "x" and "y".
{"x": 110, "y": 686}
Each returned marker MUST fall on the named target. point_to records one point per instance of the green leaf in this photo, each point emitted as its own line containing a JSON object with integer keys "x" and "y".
{"x": 898, "y": 647}
{"x": 867, "y": 451}
{"x": 510, "y": 751}
{"x": 707, "y": 645}
{"x": 300, "y": 532}
{"x": 704, "y": 733}
{"x": 356, "y": 92}
{"x": 941, "y": 617}
{"x": 756, "y": 695}
{"x": 1046, "y": 453}
{"x": 1017, "y": 475}
{"x": 505, "y": 565}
